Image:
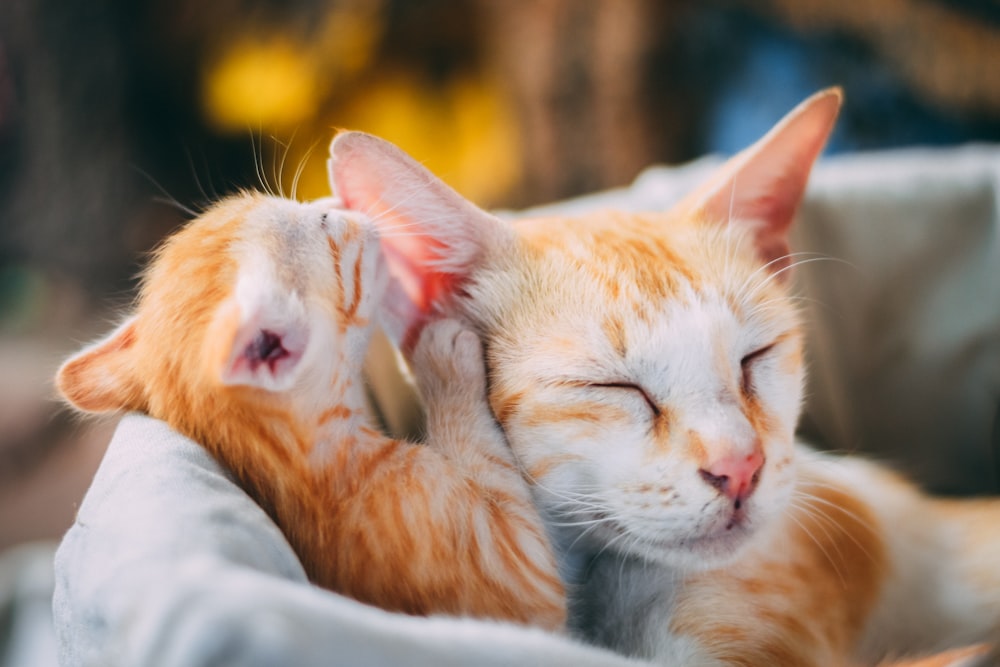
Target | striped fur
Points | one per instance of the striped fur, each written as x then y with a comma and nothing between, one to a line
648,370
248,337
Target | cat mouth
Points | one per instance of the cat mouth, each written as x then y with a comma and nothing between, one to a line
738,519
710,547
714,547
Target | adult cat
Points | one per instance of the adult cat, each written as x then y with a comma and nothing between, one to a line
648,370
249,336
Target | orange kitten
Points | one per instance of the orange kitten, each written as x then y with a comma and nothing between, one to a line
248,337
647,370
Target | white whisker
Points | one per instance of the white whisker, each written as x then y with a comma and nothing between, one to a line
303,161
819,545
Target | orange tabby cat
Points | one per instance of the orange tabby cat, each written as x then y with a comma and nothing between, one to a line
248,337
647,370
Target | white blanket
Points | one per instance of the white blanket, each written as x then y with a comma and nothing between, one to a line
171,564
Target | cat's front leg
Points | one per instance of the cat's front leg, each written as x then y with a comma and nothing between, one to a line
451,376
516,557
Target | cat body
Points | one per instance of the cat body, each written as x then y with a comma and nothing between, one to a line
862,568
647,371
249,336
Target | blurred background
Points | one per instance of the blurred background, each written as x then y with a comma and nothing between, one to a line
118,117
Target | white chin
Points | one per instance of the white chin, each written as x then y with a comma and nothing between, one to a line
699,552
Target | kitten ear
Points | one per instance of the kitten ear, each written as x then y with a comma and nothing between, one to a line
101,377
257,341
432,237
763,185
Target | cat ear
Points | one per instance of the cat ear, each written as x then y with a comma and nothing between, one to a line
101,377
763,185
432,237
257,340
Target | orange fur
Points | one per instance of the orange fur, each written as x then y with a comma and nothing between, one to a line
963,657
831,567
639,363
446,528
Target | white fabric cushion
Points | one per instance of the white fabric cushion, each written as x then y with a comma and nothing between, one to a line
170,563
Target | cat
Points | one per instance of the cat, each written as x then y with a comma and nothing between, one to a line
647,370
248,337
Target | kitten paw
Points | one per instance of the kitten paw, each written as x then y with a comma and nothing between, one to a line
450,371
448,358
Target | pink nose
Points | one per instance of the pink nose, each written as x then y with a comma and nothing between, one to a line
735,477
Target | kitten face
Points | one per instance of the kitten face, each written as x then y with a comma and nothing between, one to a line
620,387
271,288
646,369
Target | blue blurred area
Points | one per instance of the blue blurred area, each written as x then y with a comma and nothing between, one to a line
765,70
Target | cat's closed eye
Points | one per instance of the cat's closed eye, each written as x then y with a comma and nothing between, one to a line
748,362
631,386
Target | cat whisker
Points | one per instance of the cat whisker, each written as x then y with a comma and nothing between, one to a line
822,523
576,506
401,230
275,175
784,301
583,533
819,545
284,157
400,202
572,499
166,197
747,290
861,521
818,516
582,522
197,180
423,222
614,541
772,276
257,148
828,457
303,161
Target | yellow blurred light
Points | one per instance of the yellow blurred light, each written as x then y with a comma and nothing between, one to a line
461,131
268,84
348,39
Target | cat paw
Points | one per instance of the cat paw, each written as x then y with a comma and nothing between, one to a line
450,371
448,358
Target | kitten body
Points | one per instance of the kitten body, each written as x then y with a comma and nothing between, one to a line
648,371
248,337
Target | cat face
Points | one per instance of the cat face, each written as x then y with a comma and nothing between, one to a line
251,298
652,402
646,369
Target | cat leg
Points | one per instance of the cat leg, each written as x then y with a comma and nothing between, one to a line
450,372
456,510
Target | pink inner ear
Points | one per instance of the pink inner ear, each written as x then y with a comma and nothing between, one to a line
265,357
266,348
430,235
763,186
359,174
411,258
421,288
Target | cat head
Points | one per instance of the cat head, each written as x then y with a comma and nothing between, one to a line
647,369
252,300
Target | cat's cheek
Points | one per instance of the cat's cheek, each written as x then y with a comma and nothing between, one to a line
775,493
780,396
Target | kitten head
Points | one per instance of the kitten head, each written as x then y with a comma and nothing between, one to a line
647,369
251,301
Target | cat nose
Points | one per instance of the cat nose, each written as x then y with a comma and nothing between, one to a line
735,477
